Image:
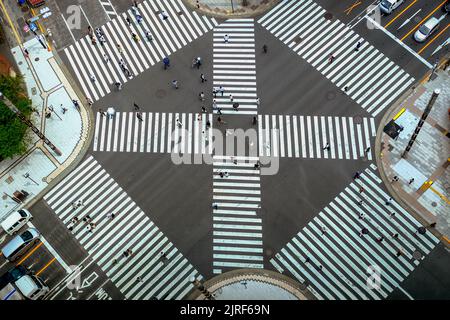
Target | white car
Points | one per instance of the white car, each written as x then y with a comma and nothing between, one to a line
387,6
426,30
16,220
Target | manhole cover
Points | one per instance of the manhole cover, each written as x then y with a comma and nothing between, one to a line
328,15
269,252
331,95
160,93
297,39
434,204
357,119
36,59
417,255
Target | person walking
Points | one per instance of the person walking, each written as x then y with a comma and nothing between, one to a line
139,116
221,90
388,201
119,48
179,124
26,53
128,20
136,107
175,84
110,216
264,48
327,147
226,38
220,120
331,58
203,78
395,179
166,62
201,96
367,150
255,120
357,175
105,58
148,35
198,62
411,180
358,44
93,78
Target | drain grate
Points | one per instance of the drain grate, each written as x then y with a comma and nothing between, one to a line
328,15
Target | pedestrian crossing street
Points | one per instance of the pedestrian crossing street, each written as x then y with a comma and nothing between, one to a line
371,79
342,261
129,229
156,133
169,35
237,226
307,136
234,66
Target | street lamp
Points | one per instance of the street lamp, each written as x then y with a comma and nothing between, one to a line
27,176
199,286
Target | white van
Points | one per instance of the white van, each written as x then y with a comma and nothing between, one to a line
387,6
32,287
16,220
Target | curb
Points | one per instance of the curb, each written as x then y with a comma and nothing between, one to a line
378,156
260,275
248,12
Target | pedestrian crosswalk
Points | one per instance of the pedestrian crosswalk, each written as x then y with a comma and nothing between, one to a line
356,250
366,74
109,9
184,133
145,274
315,136
103,60
237,226
234,67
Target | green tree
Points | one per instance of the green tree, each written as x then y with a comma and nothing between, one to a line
12,130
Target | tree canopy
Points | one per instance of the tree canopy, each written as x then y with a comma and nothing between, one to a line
12,130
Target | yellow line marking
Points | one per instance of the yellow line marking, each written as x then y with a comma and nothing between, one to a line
10,22
29,254
409,6
424,19
349,9
440,195
399,114
446,239
431,41
46,266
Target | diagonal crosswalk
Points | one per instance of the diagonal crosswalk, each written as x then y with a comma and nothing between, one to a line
234,67
168,35
315,136
366,75
154,133
143,275
237,227
338,260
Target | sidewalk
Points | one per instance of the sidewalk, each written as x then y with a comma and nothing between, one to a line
428,195
47,86
231,8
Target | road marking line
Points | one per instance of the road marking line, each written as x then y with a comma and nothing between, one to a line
431,41
406,293
354,5
421,21
403,11
399,42
30,253
46,266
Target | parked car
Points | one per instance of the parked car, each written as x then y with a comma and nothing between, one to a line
18,245
13,275
426,30
387,6
16,220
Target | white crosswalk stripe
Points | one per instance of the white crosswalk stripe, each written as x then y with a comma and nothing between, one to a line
156,133
315,137
366,75
109,9
338,260
237,228
234,67
169,35
110,238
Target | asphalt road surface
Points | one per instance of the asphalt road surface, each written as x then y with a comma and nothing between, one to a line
181,220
